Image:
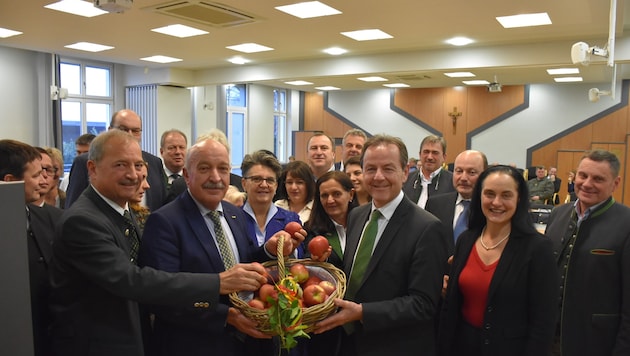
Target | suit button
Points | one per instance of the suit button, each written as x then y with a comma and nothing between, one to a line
487,326
486,342
196,304
490,309
40,259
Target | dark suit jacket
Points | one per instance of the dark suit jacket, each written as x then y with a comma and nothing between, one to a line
402,284
179,186
39,243
521,311
595,315
177,239
443,207
95,286
156,195
442,183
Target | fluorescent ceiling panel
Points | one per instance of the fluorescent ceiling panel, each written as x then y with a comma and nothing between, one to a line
238,60
249,48
298,82
568,79
476,82
367,35
372,79
161,59
459,41
89,47
335,51
327,88
309,9
459,75
524,20
181,31
563,71
396,85
76,7
6,33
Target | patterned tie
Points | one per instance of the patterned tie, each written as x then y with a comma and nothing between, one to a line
132,236
462,220
364,253
224,246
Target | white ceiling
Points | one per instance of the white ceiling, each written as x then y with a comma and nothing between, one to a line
417,55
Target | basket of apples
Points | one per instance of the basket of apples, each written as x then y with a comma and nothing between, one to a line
298,293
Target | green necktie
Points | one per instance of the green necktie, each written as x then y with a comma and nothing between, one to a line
224,246
132,235
364,253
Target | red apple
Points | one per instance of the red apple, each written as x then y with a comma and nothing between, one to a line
267,291
272,244
293,227
256,304
318,246
311,280
314,294
328,286
299,272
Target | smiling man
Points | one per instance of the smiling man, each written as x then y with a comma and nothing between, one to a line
591,240
173,145
321,154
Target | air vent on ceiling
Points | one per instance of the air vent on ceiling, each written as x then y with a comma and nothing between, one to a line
413,77
205,12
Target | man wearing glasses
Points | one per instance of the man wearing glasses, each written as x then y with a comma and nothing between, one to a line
129,121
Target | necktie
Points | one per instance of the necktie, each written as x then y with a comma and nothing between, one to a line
132,236
364,253
173,177
462,220
224,246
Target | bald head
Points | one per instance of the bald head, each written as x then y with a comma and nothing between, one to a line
468,165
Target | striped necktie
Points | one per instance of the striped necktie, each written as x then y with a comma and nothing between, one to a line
224,246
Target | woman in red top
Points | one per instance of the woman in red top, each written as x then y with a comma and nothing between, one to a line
503,289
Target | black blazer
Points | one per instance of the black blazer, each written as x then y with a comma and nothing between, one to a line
520,316
39,243
96,288
402,284
442,183
443,207
156,195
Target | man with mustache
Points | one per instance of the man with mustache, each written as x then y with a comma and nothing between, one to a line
200,232
96,284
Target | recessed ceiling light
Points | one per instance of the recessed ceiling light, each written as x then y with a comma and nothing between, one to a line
459,75
373,79
250,48
6,33
367,35
459,41
298,82
327,88
238,60
309,9
396,85
161,59
524,20
180,31
563,71
76,7
568,79
89,47
476,82
335,51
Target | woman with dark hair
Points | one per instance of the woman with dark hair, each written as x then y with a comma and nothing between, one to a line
353,169
503,288
297,188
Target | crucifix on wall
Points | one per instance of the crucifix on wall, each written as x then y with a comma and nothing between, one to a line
454,116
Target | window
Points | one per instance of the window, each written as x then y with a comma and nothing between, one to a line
236,124
280,124
88,107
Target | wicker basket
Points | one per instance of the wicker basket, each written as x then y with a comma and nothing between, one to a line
310,315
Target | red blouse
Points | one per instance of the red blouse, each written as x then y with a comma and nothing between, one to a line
474,282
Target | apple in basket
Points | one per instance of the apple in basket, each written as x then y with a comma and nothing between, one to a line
314,294
256,304
312,279
267,291
328,287
299,272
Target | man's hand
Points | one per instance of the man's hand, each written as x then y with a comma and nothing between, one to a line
348,312
244,325
243,276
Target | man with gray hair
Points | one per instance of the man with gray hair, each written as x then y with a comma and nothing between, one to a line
353,141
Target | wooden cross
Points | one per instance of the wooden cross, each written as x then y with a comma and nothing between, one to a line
455,115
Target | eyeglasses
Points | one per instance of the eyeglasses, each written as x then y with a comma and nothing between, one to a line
50,170
131,131
259,179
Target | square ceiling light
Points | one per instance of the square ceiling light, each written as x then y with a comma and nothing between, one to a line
476,82
367,35
568,79
181,31
298,82
327,88
249,48
6,33
563,71
89,47
309,9
460,75
396,85
77,7
161,59
373,79
524,20
335,51
459,41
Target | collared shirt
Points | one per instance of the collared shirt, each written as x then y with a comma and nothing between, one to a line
169,174
587,213
114,205
260,234
424,194
459,208
387,211
226,227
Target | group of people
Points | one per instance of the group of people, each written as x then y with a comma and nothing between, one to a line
437,262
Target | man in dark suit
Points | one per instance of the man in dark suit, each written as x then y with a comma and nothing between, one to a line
128,121
353,141
22,162
591,239
96,284
431,179
184,237
449,207
394,268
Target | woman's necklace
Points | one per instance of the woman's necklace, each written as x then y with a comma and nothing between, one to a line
488,248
